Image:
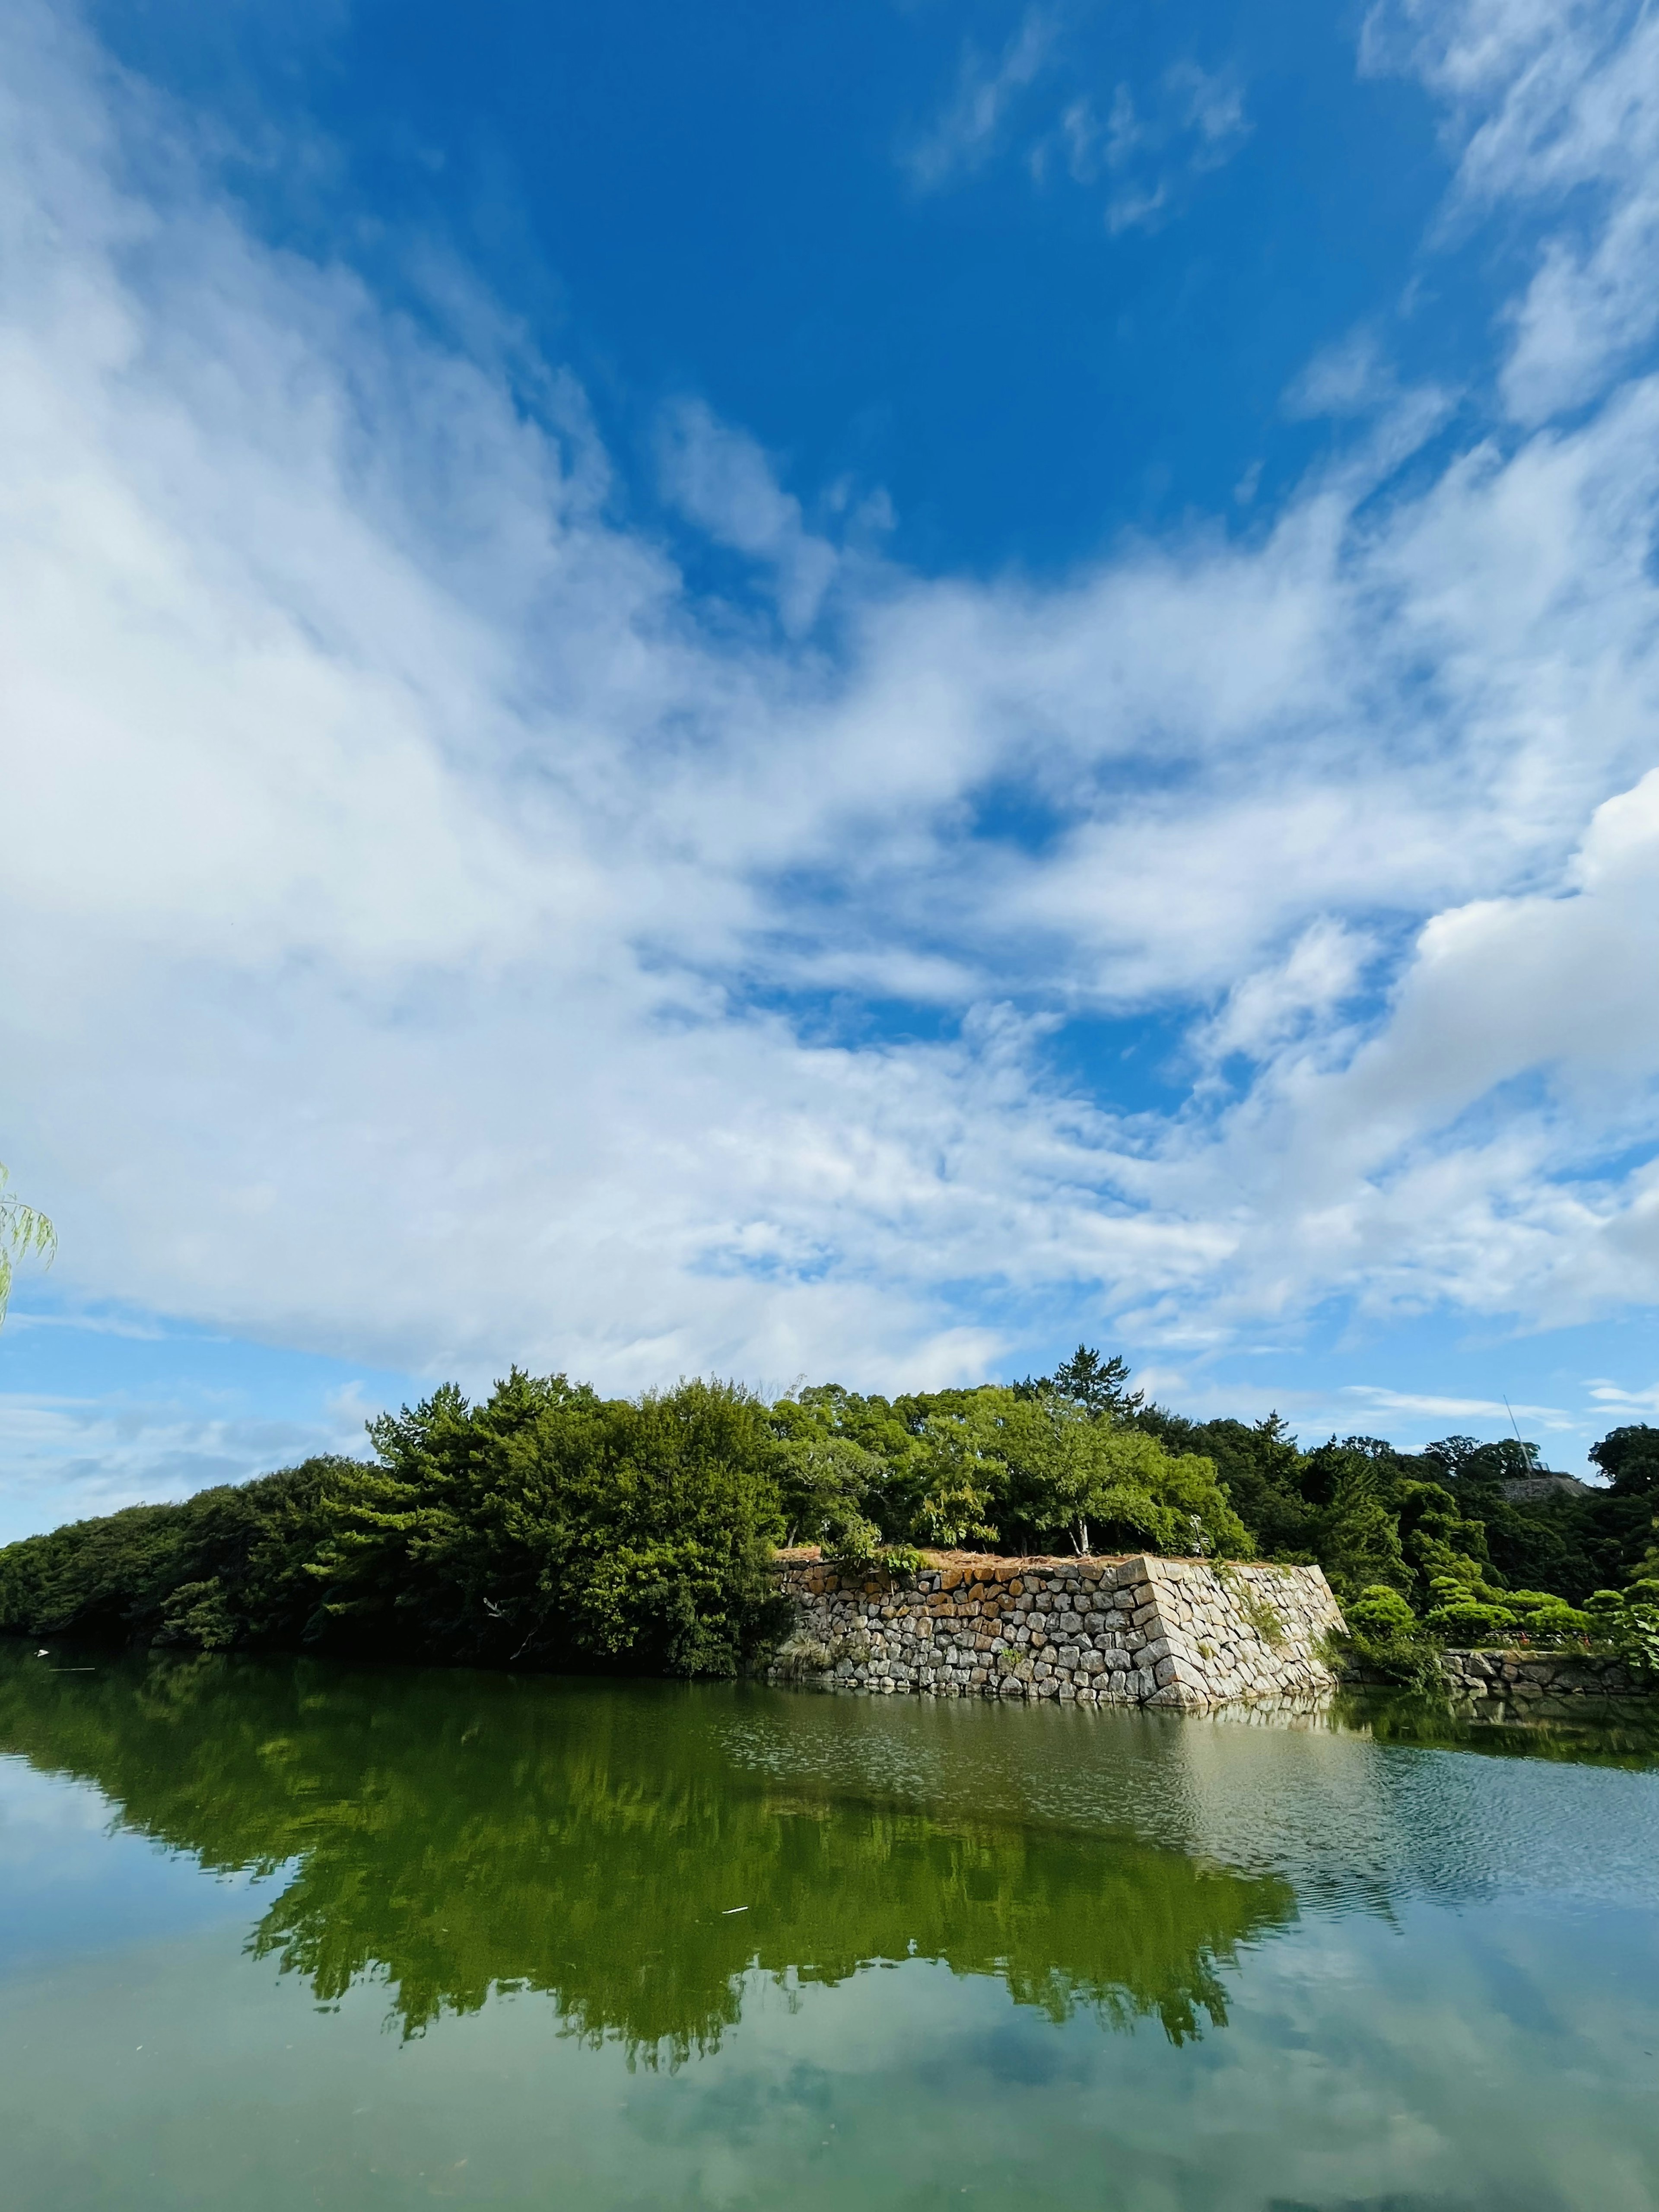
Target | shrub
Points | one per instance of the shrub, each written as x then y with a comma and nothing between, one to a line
1626,1623
1468,1612
1387,1637
1380,1614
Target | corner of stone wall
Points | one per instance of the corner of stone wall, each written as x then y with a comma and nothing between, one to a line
1143,1630
1236,1631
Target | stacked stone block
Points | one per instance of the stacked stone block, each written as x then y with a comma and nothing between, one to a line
1539,1680
1121,1632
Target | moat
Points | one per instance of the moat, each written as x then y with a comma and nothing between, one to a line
275,1934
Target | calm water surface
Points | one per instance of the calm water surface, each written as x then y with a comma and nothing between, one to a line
277,1934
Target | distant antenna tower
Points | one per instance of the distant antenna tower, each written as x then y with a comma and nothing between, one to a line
1537,1460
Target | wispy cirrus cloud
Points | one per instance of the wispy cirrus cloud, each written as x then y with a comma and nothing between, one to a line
1150,151
1145,147
970,126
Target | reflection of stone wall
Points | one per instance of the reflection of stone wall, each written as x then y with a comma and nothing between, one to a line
1522,1678
1137,1632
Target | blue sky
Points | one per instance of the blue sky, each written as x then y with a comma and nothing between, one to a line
845,692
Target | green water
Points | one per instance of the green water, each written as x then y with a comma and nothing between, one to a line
274,1934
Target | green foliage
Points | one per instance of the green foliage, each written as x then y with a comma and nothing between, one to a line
1626,1623
1259,1468
1099,1387
1468,1613
1387,1637
1629,1457
240,1552
441,1838
902,1562
822,1482
1379,1613
856,1472
552,1526
1474,1471
1356,1536
549,1527
545,1526
199,1615
24,1233
1095,1484
1026,1467
1371,1516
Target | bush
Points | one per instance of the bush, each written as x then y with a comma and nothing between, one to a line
1467,1612
1380,1614
1469,1621
1626,1623
1385,1636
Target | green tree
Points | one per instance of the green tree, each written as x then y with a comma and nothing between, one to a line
1358,1536
1260,1469
1051,1469
1629,1457
1097,1384
228,1566
553,1526
1436,1539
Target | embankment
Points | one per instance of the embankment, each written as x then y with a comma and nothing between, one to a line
1121,1632
1539,1680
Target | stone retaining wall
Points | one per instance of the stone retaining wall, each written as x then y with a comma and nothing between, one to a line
1127,1632
1523,1678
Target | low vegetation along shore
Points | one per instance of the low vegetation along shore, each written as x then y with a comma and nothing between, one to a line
549,1527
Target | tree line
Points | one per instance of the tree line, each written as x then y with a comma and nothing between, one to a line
548,1527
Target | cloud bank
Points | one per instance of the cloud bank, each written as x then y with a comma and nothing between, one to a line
439,930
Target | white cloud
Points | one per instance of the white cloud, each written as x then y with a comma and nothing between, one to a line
1152,148
1349,378
1149,149
141,1331
1637,1405
722,480
1556,107
1212,105
1458,1409
967,130
415,874
70,1458
1263,1011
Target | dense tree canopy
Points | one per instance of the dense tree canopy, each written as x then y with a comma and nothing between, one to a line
549,1527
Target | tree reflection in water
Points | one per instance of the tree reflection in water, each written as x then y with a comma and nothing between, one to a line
455,1834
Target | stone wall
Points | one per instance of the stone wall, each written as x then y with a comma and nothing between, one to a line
1128,1631
1527,1680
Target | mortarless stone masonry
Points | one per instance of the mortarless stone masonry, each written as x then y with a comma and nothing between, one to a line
1129,1632
1527,1680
